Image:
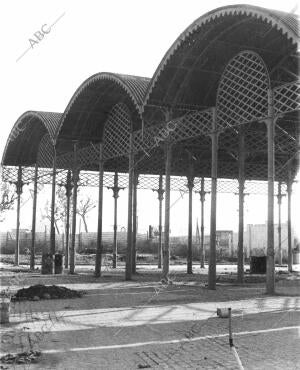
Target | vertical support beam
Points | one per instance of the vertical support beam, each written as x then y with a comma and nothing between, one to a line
52,222
160,192
134,220
19,190
241,163
35,190
190,186
115,241
279,199
270,281
68,195
115,190
213,212
202,200
128,271
74,212
166,246
100,212
289,220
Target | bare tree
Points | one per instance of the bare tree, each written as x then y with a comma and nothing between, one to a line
60,209
84,206
7,199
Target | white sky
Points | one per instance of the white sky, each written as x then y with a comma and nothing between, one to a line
129,37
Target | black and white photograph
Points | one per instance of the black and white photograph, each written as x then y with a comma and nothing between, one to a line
150,185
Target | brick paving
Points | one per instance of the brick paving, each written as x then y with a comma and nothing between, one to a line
108,328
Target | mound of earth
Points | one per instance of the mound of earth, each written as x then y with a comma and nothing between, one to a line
21,358
40,291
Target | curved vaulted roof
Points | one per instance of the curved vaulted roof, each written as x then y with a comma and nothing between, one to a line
23,142
190,70
88,108
186,79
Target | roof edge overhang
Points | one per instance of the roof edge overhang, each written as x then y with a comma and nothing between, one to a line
278,19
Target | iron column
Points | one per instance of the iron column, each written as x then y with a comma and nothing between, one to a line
128,271
213,212
115,190
190,186
241,163
166,246
134,222
270,281
100,213
160,197
289,220
202,193
69,187
75,187
35,190
19,190
52,222
279,199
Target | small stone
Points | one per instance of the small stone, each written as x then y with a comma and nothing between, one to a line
36,298
46,296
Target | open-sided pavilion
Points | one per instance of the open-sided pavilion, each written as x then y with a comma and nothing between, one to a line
221,113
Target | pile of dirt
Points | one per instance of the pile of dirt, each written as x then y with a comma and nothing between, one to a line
21,358
40,291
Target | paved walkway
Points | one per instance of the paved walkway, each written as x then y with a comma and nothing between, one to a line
143,324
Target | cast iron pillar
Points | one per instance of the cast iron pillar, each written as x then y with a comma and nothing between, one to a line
289,220
241,163
52,221
134,220
202,194
128,269
279,200
190,186
68,187
115,190
33,227
160,196
98,262
166,246
74,211
213,212
270,280
19,189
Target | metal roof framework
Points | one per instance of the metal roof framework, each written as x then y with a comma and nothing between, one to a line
231,77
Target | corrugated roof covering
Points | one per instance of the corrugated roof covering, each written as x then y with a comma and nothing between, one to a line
87,110
23,142
191,68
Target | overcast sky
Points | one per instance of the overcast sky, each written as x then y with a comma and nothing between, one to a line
129,37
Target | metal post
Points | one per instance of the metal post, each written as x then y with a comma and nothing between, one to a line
166,246
190,186
52,222
160,192
100,212
202,199
213,212
289,220
128,271
35,190
134,222
279,199
241,161
115,242
19,190
74,212
115,190
270,281
69,187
